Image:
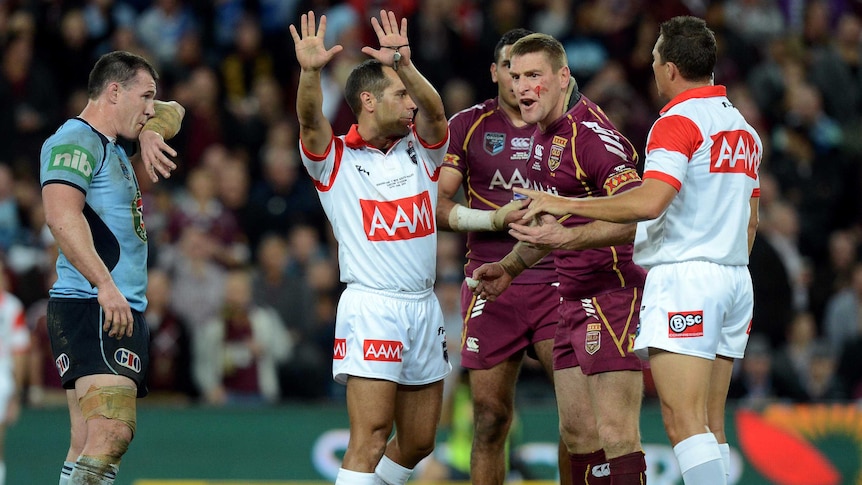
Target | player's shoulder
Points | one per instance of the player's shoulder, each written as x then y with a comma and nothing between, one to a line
475,112
75,133
74,149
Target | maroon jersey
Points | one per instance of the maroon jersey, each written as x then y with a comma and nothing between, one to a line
490,152
583,155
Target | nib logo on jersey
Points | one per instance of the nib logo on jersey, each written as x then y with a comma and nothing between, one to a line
398,220
382,350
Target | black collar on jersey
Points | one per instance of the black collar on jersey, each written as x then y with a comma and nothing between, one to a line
573,94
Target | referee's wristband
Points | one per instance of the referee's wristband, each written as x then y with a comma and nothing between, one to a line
465,219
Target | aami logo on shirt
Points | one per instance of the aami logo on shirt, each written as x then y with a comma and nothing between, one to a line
685,324
735,152
397,220
72,158
339,350
382,350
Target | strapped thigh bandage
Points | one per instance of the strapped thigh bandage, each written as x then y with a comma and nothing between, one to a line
112,402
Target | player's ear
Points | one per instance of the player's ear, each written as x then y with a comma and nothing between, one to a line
493,70
368,101
113,92
565,74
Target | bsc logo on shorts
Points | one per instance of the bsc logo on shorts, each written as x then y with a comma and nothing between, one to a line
128,359
685,324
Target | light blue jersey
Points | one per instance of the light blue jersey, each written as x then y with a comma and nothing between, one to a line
79,156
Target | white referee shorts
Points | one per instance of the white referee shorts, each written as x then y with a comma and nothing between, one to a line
7,386
696,308
397,337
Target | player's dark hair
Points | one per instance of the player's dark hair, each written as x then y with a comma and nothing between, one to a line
118,66
687,42
368,76
539,42
509,38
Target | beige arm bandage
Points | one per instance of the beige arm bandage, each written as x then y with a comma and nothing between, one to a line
112,402
465,219
167,120
520,258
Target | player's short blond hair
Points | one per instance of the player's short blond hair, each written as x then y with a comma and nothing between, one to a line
539,42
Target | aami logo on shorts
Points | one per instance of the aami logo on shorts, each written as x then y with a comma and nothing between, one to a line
128,359
382,350
397,220
62,363
685,324
339,350
734,152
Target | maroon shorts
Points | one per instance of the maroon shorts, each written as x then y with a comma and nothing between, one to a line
598,333
495,330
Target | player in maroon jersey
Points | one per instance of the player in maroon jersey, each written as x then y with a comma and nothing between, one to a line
488,148
577,152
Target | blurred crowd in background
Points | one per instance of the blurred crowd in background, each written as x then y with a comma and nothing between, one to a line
243,270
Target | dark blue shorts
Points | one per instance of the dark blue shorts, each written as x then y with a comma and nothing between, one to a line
81,348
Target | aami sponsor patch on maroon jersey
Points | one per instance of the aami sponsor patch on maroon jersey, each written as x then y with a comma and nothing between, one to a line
685,324
382,350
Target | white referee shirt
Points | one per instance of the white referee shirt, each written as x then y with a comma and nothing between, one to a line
14,335
382,209
703,147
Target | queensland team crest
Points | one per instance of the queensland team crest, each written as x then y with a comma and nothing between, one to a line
557,147
593,340
494,143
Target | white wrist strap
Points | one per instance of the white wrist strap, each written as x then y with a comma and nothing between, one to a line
465,219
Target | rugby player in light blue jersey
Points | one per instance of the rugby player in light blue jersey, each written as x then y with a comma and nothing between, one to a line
93,207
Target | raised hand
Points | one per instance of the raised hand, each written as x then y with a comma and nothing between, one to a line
311,54
392,39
